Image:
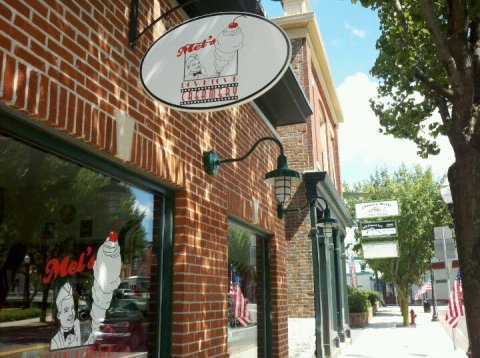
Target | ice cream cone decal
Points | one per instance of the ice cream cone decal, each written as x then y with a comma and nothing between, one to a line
229,41
106,272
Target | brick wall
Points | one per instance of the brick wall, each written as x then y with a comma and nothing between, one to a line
303,146
68,65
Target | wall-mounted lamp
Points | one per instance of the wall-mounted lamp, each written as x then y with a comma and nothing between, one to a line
113,194
326,221
281,178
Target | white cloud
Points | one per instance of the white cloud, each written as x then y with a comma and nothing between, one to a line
363,148
146,208
354,31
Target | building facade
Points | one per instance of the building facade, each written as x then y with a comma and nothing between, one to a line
111,231
87,151
317,296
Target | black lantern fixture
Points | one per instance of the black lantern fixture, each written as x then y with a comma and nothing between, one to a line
328,223
113,194
281,178
26,286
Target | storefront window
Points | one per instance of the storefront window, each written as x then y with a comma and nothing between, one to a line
76,256
245,302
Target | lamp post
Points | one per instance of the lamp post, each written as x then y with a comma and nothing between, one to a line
26,286
432,279
446,194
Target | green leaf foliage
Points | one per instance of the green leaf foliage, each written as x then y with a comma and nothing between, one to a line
429,63
405,101
421,209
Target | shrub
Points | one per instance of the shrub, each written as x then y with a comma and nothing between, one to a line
366,296
15,314
374,296
357,301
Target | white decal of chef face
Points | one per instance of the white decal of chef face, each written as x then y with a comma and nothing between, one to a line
193,63
66,312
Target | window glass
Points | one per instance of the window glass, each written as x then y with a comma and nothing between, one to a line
76,256
245,307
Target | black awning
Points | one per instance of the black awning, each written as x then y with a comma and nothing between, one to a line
285,103
203,7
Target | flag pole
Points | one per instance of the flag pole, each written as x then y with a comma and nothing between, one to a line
453,337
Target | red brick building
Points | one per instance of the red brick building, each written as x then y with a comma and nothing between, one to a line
87,151
313,150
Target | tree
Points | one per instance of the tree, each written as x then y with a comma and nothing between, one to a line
429,61
421,209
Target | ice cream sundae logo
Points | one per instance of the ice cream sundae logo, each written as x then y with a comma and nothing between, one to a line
106,274
106,265
211,67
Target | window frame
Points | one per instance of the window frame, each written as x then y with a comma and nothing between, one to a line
40,136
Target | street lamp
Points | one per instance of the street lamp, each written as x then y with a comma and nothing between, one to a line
446,194
432,279
281,178
447,198
26,286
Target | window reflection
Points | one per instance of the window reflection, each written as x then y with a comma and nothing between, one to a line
76,250
244,262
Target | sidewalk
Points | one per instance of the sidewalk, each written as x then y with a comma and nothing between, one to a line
386,337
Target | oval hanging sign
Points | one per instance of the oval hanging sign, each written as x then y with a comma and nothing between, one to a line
216,61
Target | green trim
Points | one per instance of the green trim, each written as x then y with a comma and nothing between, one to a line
167,287
248,227
211,164
267,322
47,139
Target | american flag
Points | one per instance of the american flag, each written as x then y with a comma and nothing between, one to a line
239,302
353,271
424,288
455,304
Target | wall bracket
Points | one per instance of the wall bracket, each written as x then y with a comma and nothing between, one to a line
133,36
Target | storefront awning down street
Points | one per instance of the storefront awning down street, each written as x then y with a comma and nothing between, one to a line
285,103
319,183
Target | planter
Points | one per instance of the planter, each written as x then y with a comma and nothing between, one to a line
358,320
370,313
375,307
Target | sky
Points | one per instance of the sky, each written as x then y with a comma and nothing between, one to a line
349,34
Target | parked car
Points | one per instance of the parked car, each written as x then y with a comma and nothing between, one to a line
123,293
125,324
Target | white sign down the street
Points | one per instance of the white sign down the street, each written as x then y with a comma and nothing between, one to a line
379,229
380,250
376,209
